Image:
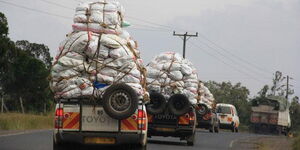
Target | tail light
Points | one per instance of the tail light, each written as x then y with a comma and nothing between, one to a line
141,119
59,113
207,116
229,119
192,117
150,118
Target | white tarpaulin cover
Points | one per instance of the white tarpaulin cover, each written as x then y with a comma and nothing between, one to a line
97,54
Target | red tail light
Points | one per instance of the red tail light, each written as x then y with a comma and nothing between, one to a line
142,124
192,117
59,112
58,122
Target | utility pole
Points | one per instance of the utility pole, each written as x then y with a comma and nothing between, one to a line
185,39
287,87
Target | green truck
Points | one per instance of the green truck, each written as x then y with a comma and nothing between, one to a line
270,115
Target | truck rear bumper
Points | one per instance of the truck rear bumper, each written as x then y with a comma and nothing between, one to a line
204,123
78,137
169,130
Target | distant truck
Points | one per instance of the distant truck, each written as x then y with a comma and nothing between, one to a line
120,118
270,115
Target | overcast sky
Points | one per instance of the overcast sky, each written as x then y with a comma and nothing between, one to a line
240,40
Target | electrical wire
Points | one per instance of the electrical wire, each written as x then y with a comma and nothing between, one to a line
34,10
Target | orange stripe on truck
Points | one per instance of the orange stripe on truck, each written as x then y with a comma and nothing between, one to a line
129,124
71,120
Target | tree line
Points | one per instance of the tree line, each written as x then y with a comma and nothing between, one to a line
24,69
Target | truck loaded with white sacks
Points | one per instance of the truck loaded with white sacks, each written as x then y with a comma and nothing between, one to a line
270,115
172,82
98,80
206,115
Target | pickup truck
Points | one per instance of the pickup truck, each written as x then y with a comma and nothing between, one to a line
84,121
207,119
166,122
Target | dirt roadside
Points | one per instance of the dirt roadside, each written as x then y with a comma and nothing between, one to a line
264,143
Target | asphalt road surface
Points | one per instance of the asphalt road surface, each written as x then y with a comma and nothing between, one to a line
42,140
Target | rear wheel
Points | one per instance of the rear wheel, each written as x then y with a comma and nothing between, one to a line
190,140
138,147
217,128
120,101
212,128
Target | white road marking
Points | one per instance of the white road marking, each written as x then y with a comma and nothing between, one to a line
23,132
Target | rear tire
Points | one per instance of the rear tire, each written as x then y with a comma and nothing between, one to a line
190,140
59,146
139,147
157,104
179,104
217,128
120,101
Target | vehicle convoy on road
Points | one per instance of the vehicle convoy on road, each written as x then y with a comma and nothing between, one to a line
176,118
228,117
270,114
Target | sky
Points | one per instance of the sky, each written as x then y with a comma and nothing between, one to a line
239,40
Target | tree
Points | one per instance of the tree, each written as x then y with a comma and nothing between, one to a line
295,113
237,95
39,51
3,25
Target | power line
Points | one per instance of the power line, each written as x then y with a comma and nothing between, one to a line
232,54
34,10
233,67
57,4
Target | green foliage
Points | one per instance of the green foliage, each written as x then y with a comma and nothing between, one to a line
295,114
236,95
3,25
24,68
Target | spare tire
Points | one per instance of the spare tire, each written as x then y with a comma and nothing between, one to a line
178,104
157,103
202,109
120,101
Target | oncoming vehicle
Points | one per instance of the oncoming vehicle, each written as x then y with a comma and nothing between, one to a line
207,118
270,115
119,118
175,118
228,117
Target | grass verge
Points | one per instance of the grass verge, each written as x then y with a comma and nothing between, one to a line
296,142
18,121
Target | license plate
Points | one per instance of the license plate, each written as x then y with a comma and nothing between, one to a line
99,140
165,129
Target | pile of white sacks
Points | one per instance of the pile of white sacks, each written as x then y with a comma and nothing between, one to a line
169,73
205,96
97,54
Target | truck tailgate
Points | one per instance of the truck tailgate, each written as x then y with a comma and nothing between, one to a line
94,118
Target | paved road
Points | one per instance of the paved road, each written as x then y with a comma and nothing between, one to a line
42,140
